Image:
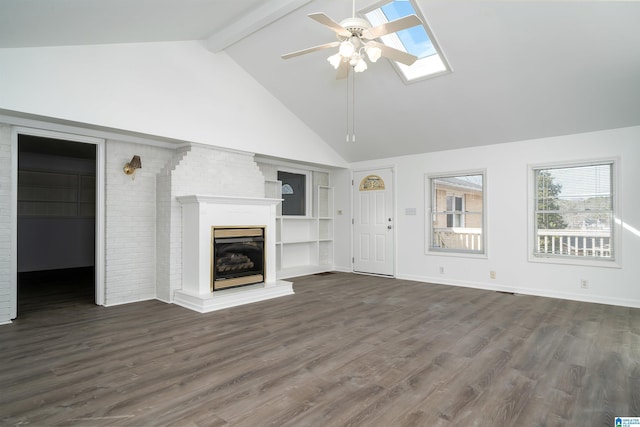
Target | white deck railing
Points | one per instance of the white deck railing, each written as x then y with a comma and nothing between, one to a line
587,243
469,239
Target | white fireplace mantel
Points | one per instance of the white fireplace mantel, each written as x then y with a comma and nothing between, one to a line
228,200
199,214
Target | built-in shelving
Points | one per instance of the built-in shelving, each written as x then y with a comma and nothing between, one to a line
304,244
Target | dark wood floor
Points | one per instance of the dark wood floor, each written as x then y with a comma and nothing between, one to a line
344,350
49,290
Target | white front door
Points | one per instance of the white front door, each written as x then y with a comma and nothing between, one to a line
373,222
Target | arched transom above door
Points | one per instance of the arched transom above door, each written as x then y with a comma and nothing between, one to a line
371,183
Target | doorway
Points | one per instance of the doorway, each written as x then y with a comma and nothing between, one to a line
373,222
56,222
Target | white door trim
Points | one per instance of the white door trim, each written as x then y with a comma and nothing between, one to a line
100,207
392,168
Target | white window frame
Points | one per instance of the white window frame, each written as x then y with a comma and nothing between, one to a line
424,68
461,216
308,190
533,256
429,212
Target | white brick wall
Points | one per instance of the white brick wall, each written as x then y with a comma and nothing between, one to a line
6,301
130,234
196,170
269,171
166,230
143,224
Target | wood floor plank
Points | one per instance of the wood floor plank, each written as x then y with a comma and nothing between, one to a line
346,349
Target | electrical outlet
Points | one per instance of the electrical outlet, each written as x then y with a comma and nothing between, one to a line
492,274
584,284
441,270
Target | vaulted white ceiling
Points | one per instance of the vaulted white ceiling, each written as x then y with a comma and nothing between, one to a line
521,69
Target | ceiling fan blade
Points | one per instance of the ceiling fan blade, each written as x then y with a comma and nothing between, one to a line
343,70
391,27
310,49
393,53
325,20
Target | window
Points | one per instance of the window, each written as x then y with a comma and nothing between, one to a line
573,214
418,40
457,213
296,192
454,204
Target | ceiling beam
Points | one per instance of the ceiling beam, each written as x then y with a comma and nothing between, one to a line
252,22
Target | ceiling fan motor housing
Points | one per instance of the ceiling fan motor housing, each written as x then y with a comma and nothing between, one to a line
355,25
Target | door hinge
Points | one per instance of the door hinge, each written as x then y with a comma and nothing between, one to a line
351,182
352,221
353,260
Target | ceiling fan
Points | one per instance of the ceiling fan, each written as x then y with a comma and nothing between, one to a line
356,38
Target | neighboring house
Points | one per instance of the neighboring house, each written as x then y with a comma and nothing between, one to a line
459,224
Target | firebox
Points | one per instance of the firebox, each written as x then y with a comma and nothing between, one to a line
237,257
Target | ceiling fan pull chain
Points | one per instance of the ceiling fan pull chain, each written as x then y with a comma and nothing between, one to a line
348,136
353,105
351,108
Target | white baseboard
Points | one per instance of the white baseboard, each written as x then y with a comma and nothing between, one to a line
598,299
306,270
163,300
113,304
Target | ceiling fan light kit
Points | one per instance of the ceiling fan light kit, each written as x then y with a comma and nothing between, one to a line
374,53
353,50
358,65
335,60
347,49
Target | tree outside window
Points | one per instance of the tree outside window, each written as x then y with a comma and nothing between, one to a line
574,211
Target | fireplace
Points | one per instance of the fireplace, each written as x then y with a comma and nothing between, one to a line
202,215
238,256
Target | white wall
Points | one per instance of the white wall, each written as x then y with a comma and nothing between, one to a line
130,229
7,228
507,204
341,182
177,90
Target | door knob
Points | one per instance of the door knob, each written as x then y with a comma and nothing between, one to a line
388,227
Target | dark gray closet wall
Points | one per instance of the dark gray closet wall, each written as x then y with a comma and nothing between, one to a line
56,204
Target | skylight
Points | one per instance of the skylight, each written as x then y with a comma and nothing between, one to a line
418,40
